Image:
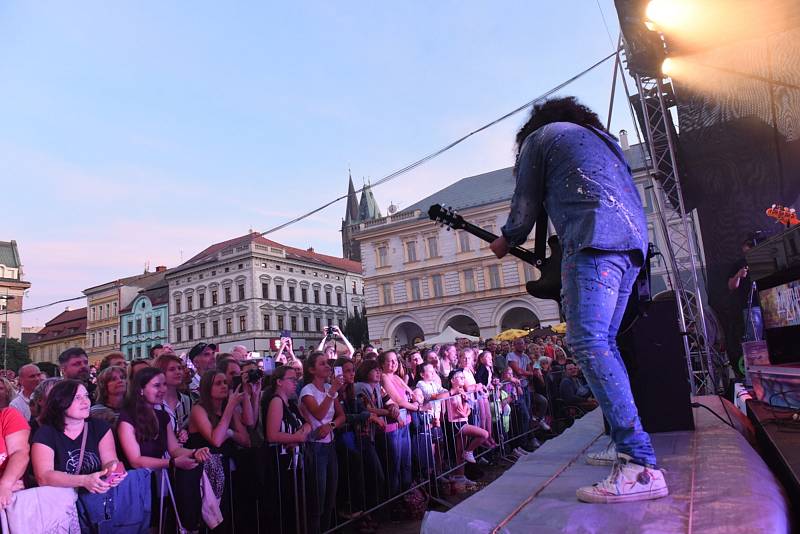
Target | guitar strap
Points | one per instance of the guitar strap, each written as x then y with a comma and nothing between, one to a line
540,234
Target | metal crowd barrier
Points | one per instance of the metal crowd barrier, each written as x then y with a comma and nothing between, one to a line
369,479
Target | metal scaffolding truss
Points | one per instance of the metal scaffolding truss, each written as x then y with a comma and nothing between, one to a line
680,237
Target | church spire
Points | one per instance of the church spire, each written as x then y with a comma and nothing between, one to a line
351,213
367,207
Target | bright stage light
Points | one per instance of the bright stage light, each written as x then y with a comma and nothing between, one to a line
668,14
668,67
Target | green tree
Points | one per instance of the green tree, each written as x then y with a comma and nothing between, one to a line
356,329
17,353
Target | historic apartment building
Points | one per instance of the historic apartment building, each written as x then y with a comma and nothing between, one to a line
12,290
247,290
144,323
420,278
103,303
65,330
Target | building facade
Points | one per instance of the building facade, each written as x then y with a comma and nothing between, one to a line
247,290
12,290
145,322
65,330
421,278
104,303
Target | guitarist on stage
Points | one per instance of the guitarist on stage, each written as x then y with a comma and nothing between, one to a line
569,165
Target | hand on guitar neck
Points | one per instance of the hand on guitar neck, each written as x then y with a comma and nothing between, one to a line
500,246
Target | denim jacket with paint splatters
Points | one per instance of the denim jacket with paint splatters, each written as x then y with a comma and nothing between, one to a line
587,189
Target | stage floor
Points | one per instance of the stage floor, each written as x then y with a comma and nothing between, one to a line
717,482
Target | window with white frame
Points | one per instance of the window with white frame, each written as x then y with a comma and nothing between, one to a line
411,250
386,293
415,292
463,242
383,255
437,285
469,280
433,246
494,277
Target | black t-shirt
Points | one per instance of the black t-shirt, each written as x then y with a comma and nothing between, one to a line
742,294
66,452
154,448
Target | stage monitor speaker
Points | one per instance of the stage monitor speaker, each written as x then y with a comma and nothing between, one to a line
653,352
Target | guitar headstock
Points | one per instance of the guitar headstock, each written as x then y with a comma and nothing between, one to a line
784,215
446,216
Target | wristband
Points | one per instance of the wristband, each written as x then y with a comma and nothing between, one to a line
334,396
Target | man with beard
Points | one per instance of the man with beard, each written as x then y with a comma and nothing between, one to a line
74,364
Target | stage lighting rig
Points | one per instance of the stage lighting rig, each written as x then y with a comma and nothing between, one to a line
645,50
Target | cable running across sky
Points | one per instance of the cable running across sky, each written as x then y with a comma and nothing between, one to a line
403,170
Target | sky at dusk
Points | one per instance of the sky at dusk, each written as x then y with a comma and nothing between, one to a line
136,132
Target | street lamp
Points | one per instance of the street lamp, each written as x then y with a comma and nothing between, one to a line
6,298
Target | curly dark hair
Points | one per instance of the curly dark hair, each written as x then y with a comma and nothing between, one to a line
564,109
145,420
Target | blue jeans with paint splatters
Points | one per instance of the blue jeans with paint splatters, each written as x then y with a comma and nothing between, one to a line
596,285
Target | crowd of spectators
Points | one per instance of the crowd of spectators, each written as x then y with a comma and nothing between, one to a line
216,444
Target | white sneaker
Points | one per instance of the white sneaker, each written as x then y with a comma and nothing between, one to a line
605,456
469,457
628,482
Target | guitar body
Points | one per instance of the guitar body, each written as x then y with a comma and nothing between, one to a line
548,287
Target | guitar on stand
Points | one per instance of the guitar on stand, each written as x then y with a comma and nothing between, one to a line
548,287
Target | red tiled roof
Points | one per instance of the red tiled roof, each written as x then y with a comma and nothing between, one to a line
210,253
65,324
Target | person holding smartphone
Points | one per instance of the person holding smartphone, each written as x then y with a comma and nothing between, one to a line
331,334
216,423
320,407
233,374
57,443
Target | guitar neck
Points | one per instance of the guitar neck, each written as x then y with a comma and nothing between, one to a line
518,252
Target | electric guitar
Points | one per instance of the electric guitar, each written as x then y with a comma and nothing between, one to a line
547,287
786,216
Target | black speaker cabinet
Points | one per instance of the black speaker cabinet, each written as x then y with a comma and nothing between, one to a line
652,349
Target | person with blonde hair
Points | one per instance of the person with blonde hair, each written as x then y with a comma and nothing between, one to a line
111,387
7,392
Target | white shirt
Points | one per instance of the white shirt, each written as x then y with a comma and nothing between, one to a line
23,405
319,396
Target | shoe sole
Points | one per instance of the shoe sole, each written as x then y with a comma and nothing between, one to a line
599,461
628,497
